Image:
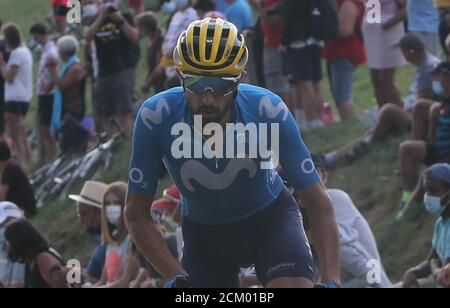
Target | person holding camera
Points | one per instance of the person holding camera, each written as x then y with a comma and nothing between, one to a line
117,50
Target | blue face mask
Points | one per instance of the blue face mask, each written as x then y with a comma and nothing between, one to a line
433,205
438,89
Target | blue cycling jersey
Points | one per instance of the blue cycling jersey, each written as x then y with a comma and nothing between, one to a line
223,188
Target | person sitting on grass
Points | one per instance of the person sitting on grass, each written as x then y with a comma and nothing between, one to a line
432,150
437,201
393,118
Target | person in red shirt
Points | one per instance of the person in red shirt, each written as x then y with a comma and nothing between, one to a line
344,54
136,5
60,11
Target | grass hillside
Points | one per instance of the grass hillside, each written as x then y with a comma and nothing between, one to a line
373,182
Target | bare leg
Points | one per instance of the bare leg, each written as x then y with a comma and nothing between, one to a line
412,155
308,98
319,102
391,92
393,118
421,119
127,124
346,111
375,77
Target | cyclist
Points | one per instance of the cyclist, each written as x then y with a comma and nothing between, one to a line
234,213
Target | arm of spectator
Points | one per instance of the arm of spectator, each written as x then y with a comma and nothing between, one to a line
3,191
130,273
130,32
75,73
140,279
412,276
93,29
103,280
434,114
8,74
52,271
348,16
397,18
444,275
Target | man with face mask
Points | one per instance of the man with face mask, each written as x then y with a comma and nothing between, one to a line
437,201
434,148
89,205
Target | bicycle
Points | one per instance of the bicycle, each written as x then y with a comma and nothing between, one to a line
88,167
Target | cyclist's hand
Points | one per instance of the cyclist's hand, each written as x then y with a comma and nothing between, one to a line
180,281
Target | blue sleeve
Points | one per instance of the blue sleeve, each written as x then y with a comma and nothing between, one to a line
234,17
294,157
147,153
97,262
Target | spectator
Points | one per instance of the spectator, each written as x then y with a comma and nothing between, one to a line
394,119
443,7
304,62
344,54
60,11
121,263
358,244
44,267
15,186
383,58
240,14
206,8
431,150
18,74
423,20
147,24
89,208
5,56
436,200
180,21
45,91
12,274
117,53
274,76
69,102
221,6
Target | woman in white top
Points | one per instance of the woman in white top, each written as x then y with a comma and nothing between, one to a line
18,75
380,36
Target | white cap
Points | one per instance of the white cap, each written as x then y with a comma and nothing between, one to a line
9,210
91,194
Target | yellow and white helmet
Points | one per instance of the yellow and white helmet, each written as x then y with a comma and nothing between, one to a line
211,47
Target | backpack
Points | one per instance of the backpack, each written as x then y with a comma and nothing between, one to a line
324,20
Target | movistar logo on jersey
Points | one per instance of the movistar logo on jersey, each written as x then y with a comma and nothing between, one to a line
250,141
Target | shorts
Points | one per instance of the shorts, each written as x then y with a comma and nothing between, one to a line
273,71
17,108
114,94
273,240
433,156
45,109
60,12
340,74
305,64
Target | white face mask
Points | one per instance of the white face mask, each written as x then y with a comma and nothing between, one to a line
114,214
90,10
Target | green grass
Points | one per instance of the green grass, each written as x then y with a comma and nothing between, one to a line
373,182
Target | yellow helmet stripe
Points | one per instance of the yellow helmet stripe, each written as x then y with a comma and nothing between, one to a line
216,40
229,45
203,39
190,44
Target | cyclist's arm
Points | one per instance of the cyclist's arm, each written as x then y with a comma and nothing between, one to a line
324,230
147,236
297,163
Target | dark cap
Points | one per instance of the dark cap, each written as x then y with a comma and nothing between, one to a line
411,43
439,172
